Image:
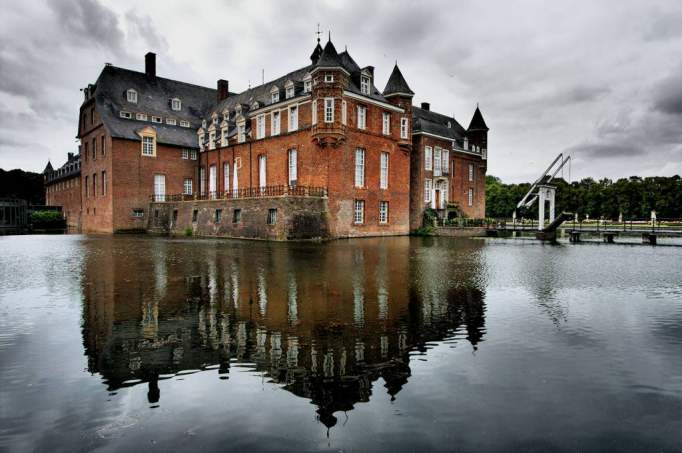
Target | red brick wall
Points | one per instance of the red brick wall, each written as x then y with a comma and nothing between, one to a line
67,194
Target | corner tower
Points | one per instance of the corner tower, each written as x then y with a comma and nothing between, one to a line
398,93
329,80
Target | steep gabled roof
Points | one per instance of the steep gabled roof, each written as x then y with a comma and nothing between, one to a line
437,124
477,121
396,83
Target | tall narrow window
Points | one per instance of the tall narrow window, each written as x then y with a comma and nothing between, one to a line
202,180
436,161
427,190
148,145
176,104
428,158
235,178
364,85
185,154
187,186
262,165
94,148
359,214
241,133
359,167
445,159
94,185
344,113
383,212
260,126
471,172
383,174
386,124
226,176
293,118
212,180
87,188
404,125
159,188
314,112
132,96
362,117
104,183
328,110
471,197
274,123
104,145
293,170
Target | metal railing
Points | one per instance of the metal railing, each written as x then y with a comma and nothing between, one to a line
249,192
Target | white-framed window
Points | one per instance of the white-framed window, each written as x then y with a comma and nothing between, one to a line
290,92
124,114
404,128
328,110
262,168
157,119
362,117
226,176
359,211
148,145
364,84
293,118
212,181
466,144
131,96
223,136
193,154
445,158
314,112
141,116
187,186
386,124
274,96
428,186
383,171
171,121
471,197
293,167
471,172
211,140
436,161
260,126
185,154
328,78
202,180
235,174
241,133
307,85
275,123
359,167
184,123
428,158
176,104
383,212
138,213
159,187
344,113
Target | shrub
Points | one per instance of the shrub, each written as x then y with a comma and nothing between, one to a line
47,219
188,231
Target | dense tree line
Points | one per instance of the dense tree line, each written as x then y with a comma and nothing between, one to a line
634,197
22,184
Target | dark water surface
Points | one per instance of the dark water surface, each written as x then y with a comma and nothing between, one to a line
397,344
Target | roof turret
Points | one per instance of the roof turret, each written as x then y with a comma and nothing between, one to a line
396,84
477,121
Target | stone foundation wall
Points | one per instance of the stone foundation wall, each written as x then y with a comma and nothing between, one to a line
461,232
297,218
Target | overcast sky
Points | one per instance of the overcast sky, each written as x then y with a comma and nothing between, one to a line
600,80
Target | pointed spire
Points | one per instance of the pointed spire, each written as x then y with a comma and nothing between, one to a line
48,167
396,83
477,121
329,57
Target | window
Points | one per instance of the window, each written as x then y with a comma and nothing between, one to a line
236,216
211,140
176,104
272,216
329,78
159,187
328,110
85,153
293,157
193,154
125,114
428,158
307,86
184,123
383,212
226,176
157,119
404,125
445,164
466,143
138,213
94,149
383,173
293,118
104,183
436,161
314,112
131,96
275,97
148,145
262,166
218,215
471,197
187,186
212,181
92,116
386,123
359,167
104,145
141,116
359,212
87,185
260,126
362,117
241,133
94,185
364,85
290,92
471,172
344,113
427,190
171,121
195,215
274,123
175,216
185,154
202,180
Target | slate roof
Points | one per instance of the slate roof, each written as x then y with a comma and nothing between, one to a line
435,123
329,57
153,98
71,168
48,167
396,83
477,121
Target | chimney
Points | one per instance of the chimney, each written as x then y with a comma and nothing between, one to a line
150,65
223,89
426,106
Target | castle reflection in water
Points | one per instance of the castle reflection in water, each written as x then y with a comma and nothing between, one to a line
324,321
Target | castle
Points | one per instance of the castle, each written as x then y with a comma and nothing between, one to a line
317,153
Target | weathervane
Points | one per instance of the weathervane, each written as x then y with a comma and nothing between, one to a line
318,33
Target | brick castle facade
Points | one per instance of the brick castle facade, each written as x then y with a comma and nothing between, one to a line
165,155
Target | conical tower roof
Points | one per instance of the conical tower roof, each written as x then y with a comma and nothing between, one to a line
48,168
329,57
477,121
315,56
396,83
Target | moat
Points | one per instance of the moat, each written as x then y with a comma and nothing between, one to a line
138,343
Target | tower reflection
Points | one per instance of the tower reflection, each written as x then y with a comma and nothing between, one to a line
323,321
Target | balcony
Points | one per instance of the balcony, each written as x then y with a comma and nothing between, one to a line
249,192
329,133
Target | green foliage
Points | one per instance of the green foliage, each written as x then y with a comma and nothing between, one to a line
424,231
430,215
22,184
188,231
47,219
634,197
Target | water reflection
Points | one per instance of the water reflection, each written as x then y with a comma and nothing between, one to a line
324,322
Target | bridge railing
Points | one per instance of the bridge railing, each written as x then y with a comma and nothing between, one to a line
629,225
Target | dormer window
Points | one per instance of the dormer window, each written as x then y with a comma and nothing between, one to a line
171,121
364,84
290,92
241,131
449,125
125,114
226,115
307,84
466,143
141,116
131,96
176,104
329,78
156,119
274,94
184,123
203,124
